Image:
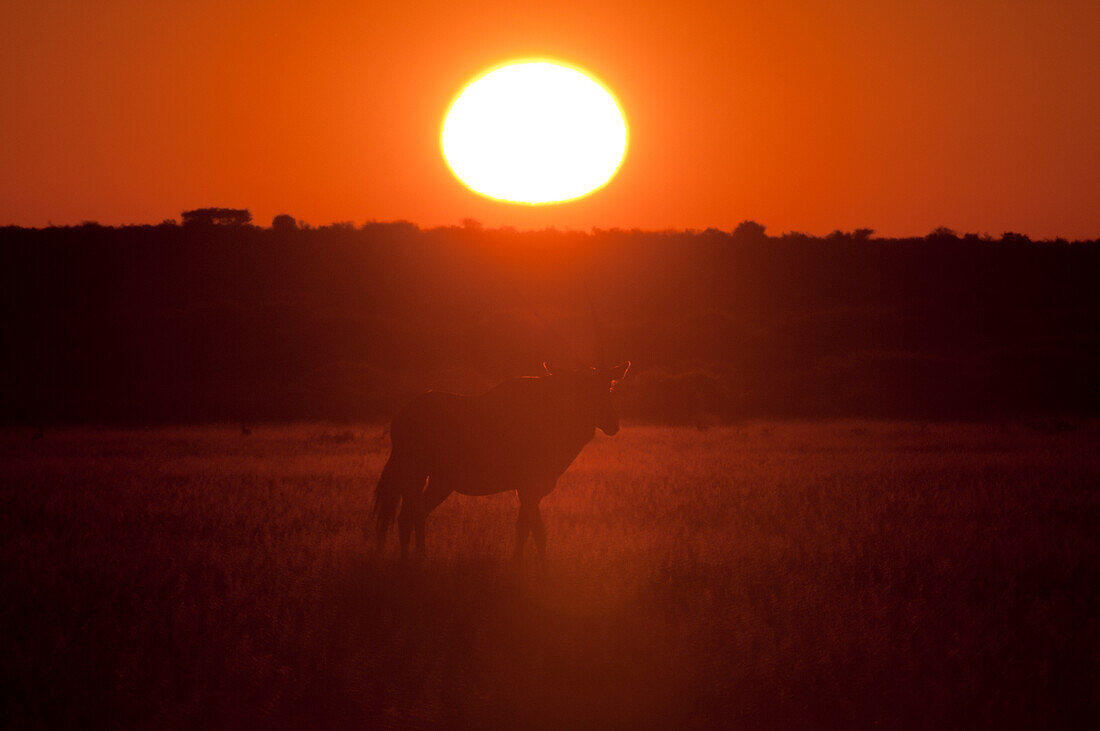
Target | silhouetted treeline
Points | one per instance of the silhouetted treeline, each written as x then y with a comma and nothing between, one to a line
212,322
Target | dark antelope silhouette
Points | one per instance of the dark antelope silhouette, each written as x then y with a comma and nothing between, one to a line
520,435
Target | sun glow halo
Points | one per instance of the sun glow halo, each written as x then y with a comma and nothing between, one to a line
534,132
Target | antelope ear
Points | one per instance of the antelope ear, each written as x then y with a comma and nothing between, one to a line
618,372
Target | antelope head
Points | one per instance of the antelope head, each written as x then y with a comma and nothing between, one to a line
590,390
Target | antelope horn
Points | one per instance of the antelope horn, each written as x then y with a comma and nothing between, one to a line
597,329
559,341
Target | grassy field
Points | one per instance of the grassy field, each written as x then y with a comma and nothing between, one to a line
784,574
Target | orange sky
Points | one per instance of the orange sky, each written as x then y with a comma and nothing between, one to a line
810,116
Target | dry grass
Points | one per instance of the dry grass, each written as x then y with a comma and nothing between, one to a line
768,575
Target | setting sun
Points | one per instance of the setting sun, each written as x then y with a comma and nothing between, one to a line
534,132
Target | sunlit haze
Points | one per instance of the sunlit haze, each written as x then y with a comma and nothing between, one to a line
811,117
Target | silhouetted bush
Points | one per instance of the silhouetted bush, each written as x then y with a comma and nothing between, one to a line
749,231
1014,238
942,233
284,222
217,217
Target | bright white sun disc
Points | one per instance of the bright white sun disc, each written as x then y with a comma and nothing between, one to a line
534,132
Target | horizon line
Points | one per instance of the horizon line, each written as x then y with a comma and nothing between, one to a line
472,224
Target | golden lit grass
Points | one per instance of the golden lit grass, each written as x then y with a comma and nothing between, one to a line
769,574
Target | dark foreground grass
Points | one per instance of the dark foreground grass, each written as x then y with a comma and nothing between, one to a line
770,575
